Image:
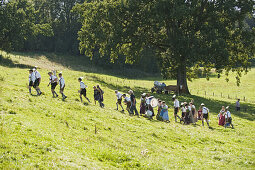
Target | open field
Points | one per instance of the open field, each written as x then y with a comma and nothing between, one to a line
44,132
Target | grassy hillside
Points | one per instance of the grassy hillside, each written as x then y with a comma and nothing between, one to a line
45,132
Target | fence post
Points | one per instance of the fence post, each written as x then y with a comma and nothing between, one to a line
205,93
228,96
221,94
213,93
244,98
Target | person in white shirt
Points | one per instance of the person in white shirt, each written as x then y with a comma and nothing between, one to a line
37,81
205,114
31,80
238,105
183,110
53,82
228,118
127,101
119,100
83,90
62,85
176,108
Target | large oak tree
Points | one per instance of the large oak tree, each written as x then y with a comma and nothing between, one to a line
186,34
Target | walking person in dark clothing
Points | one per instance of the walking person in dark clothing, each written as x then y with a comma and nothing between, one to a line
133,103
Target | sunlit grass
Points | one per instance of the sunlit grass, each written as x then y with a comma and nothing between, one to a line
45,132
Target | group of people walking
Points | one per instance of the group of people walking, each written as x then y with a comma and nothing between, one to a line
35,80
224,117
189,114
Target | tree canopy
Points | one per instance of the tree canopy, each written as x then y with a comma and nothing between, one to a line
186,35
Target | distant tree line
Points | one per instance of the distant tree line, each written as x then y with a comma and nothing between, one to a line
52,26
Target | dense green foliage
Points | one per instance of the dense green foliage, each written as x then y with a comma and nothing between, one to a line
47,133
40,25
185,34
52,26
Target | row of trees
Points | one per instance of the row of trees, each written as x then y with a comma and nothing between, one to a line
39,25
179,36
52,26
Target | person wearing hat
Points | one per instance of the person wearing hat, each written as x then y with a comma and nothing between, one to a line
228,118
31,80
176,107
221,116
119,100
127,101
53,82
37,81
205,114
62,85
192,110
143,104
133,103
83,90
164,112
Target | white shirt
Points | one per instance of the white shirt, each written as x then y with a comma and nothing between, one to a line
189,108
237,104
193,106
183,109
205,110
52,79
119,95
176,103
61,82
82,85
127,99
164,107
31,77
37,74
228,114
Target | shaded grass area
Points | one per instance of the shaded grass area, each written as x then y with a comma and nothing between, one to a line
9,63
83,63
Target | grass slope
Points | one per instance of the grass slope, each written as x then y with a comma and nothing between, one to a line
43,132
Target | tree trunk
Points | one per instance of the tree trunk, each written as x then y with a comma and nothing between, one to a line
182,79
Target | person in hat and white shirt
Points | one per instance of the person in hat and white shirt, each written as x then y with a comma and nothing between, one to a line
37,82
53,82
205,114
119,100
228,118
31,80
176,107
62,85
127,101
83,90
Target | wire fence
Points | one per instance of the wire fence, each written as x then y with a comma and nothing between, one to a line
222,95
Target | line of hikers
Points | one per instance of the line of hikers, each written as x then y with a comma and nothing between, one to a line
189,114
35,80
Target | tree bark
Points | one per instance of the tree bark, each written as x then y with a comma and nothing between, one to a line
182,79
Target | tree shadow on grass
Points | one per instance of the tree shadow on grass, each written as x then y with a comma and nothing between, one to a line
7,62
85,64
247,112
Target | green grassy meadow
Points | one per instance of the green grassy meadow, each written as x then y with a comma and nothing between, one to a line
48,133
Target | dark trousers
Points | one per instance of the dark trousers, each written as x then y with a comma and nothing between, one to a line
133,108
